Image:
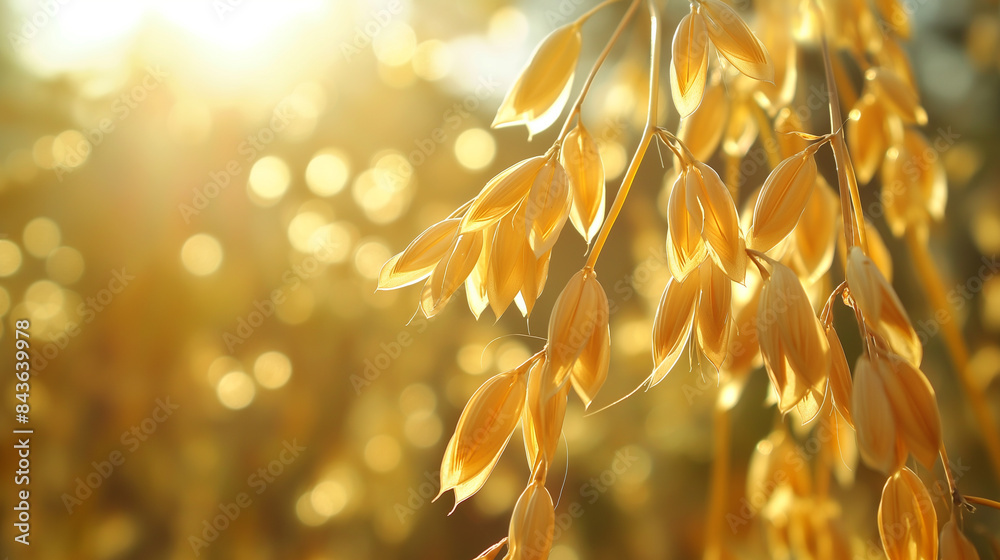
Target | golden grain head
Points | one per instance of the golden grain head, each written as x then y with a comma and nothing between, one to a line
580,313
880,306
503,193
782,200
792,341
543,416
482,433
914,185
735,41
867,137
898,96
673,324
420,256
505,270
475,284
702,130
914,407
540,91
721,226
714,312
841,384
547,206
689,63
907,521
591,369
873,419
585,169
815,236
532,524
451,272
685,247
954,544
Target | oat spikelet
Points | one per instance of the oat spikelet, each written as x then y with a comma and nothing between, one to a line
702,130
954,544
475,284
735,41
539,93
815,236
420,256
867,138
591,368
782,200
714,310
918,422
531,524
673,324
506,267
792,340
721,226
914,187
689,63
899,96
451,271
841,384
881,307
907,521
543,416
483,431
581,310
547,206
583,164
874,420
685,247
502,194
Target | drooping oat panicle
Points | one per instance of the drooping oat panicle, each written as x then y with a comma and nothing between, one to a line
482,433
721,226
451,272
873,419
502,194
543,416
540,91
585,169
547,206
673,324
792,340
914,407
714,311
914,185
689,63
777,453
531,524
702,130
685,246
907,521
898,96
954,544
881,307
735,41
867,136
581,310
782,200
841,383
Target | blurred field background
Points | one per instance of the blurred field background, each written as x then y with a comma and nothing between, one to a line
196,198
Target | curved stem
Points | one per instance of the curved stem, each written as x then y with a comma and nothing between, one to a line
934,287
597,63
721,434
583,19
647,135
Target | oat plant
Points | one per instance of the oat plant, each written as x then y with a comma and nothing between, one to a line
752,281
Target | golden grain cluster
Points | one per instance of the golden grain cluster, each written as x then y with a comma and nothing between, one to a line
752,276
